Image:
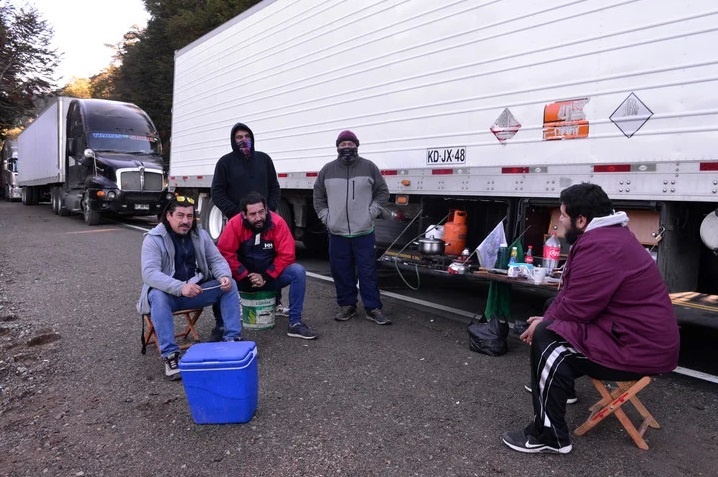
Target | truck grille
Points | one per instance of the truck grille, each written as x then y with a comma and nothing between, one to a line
131,180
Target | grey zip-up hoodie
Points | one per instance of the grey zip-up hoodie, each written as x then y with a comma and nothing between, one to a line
158,263
349,196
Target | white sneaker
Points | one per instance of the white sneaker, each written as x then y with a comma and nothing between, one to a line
281,310
172,370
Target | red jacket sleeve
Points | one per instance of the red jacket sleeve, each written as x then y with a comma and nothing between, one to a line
228,245
284,246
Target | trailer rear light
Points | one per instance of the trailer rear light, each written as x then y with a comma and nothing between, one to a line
514,170
709,166
389,173
402,200
312,174
441,172
282,174
612,168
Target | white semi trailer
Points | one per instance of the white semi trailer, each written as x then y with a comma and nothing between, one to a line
491,107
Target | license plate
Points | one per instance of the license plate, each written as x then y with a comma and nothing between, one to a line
142,206
446,156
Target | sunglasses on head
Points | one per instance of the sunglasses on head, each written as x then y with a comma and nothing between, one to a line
181,198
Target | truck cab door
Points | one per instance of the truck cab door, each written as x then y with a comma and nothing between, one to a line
76,163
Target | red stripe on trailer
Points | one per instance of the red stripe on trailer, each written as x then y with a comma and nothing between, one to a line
709,166
612,168
514,170
282,174
389,173
312,174
440,172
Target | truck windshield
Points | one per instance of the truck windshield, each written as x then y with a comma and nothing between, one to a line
114,142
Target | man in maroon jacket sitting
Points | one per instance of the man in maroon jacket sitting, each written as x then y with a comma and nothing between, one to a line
259,248
612,319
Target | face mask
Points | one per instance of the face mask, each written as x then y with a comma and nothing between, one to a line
245,146
346,154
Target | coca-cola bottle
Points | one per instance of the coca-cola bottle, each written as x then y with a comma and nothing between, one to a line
529,256
551,252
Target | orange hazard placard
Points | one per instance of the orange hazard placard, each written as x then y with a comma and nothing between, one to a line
565,120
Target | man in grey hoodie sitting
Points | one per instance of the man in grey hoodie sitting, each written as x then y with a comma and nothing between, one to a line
348,195
182,269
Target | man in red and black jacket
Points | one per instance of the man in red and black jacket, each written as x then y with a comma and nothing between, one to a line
259,248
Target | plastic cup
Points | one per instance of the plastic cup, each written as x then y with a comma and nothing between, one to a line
539,274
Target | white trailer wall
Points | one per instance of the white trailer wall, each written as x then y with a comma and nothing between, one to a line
42,146
410,75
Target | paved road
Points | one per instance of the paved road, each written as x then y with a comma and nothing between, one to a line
404,400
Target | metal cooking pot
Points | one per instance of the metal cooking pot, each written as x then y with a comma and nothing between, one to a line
431,246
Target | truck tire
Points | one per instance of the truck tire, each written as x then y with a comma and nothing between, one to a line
92,217
212,220
316,240
55,200
285,212
29,195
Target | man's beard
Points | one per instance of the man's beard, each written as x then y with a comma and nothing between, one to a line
572,234
258,225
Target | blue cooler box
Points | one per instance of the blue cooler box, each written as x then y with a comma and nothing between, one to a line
221,381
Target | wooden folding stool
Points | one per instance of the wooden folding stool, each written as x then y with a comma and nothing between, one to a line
611,402
191,316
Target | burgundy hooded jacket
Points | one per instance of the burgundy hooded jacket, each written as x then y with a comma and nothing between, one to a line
613,305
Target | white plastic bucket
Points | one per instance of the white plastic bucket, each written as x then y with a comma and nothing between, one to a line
258,309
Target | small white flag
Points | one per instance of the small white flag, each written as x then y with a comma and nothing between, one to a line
488,250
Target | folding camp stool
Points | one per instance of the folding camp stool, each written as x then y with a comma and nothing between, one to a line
611,402
190,316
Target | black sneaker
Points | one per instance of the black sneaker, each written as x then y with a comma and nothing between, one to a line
378,317
216,335
519,441
570,399
300,330
172,371
347,312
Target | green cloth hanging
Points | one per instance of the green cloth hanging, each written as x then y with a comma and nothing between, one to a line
498,301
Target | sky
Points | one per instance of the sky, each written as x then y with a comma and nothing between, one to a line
83,27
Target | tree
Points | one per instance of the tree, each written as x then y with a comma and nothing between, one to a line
77,88
27,63
146,74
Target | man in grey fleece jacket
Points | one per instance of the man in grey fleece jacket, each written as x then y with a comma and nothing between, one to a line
348,195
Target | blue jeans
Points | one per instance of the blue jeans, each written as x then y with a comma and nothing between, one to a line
349,257
295,277
162,305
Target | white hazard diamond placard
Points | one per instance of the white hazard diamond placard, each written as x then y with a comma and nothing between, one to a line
631,115
506,126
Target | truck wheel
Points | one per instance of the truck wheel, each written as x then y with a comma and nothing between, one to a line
212,220
92,217
316,240
62,211
285,212
54,200
29,196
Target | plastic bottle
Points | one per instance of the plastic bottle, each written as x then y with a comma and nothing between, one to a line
465,255
502,257
551,252
529,256
514,255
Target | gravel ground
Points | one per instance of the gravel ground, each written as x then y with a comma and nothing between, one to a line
79,399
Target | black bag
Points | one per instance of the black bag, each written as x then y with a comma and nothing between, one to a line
489,338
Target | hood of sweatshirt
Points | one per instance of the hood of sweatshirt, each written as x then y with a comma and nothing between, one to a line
243,127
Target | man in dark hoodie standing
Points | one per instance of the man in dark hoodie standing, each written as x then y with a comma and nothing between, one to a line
348,195
236,174
242,171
